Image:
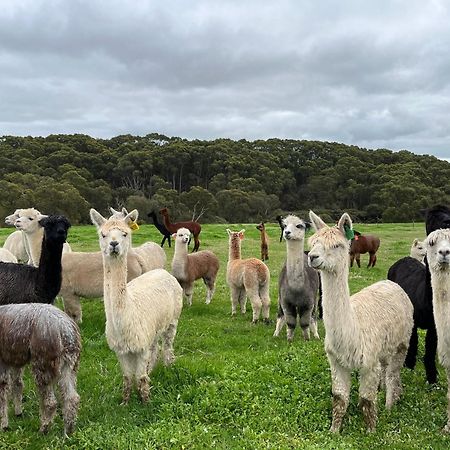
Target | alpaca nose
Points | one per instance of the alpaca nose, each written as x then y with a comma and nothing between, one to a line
114,244
287,232
444,252
312,257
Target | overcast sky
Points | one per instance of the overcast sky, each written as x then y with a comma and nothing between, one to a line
374,74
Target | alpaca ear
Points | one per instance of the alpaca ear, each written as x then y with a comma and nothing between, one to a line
124,211
345,220
229,232
415,242
113,211
174,235
131,217
97,219
316,221
241,234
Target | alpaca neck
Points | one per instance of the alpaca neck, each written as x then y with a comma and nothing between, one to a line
115,271
50,269
166,221
34,245
234,251
179,258
295,259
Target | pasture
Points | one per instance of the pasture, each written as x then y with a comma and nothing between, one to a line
233,386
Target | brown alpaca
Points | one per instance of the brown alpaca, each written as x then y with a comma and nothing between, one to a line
194,227
247,277
364,244
264,241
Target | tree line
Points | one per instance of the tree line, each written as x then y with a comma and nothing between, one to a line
221,180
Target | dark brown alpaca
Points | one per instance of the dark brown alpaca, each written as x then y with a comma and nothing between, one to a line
194,227
264,241
364,244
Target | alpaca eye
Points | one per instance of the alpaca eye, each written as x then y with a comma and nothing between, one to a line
124,234
300,226
30,218
103,235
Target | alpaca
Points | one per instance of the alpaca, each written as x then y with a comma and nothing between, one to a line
47,338
188,268
28,223
438,257
364,244
247,277
368,331
27,284
7,256
418,250
264,241
194,227
161,228
298,284
279,219
138,313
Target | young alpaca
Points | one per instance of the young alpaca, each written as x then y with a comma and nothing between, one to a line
188,268
264,241
438,257
247,277
161,228
194,227
27,284
298,284
47,338
418,250
368,331
138,313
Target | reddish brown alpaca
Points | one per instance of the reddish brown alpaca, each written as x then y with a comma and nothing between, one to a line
264,241
194,227
364,244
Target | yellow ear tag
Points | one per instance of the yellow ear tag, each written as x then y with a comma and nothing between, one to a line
134,226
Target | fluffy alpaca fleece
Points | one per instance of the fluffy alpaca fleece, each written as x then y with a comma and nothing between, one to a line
138,313
438,257
15,244
368,331
418,250
188,268
247,277
48,339
298,284
264,241
7,256
27,284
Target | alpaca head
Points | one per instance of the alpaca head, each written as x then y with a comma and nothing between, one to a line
9,220
436,218
418,249
329,246
114,233
235,238
182,235
294,229
164,211
438,250
261,227
55,228
28,219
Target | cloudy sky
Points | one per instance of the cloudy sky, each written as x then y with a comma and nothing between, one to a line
374,74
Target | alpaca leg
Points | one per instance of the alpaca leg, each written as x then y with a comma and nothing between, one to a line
352,259
153,357
280,320
411,355
358,260
167,347
141,375
374,260
368,388
255,300
305,322
290,314
163,240
72,306
265,300
446,429
127,366
210,288
17,390
4,387
48,405
313,327
243,301
70,398
393,380
235,294
340,386
188,292
429,358
196,244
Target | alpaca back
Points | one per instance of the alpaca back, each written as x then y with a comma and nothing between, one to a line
241,272
18,281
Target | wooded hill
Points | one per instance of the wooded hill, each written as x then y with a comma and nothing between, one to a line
223,180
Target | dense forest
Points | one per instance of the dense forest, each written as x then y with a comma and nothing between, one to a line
220,180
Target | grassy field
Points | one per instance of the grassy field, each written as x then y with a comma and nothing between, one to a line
233,385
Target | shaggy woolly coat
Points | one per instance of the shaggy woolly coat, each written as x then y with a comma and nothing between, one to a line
15,244
7,256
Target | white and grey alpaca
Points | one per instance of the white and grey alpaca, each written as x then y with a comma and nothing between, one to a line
298,283
368,331
247,277
45,337
188,268
138,313
438,257
418,250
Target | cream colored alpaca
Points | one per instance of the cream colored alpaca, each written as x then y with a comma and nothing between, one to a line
418,250
15,243
138,313
438,256
188,268
368,331
247,277
7,256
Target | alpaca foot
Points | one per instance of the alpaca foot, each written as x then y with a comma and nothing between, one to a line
446,429
369,411
267,321
254,321
44,428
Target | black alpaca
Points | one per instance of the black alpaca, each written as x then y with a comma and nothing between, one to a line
279,219
415,279
27,284
161,228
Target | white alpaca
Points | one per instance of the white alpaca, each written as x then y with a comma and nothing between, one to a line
438,257
418,250
298,284
28,223
247,277
368,331
188,268
7,256
138,313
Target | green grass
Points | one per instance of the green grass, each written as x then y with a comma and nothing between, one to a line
233,385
